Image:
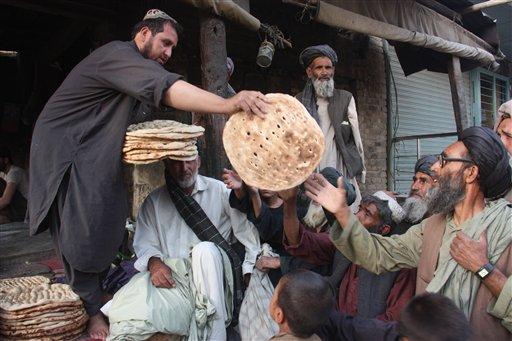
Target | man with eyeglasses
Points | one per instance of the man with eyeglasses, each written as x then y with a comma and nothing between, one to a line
463,250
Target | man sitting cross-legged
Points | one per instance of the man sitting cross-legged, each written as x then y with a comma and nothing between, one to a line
191,217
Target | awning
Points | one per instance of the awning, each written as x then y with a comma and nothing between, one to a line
423,38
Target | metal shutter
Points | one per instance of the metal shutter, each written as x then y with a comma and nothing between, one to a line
422,104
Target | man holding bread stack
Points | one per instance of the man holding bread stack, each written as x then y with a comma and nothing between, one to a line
76,187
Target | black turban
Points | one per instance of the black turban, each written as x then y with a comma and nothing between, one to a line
310,53
423,165
332,175
491,157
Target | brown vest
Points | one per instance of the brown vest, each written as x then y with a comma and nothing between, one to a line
485,326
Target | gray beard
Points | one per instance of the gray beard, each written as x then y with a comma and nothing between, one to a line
323,88
415,209
187,183
315,216
449,192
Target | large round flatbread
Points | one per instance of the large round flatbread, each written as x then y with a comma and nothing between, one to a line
277,152
158,126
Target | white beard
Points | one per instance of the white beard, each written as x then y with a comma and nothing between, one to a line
315,216
323,88
187,183
415,209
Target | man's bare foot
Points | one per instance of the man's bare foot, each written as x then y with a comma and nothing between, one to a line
97,327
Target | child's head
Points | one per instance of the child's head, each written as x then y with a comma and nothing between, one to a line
301,303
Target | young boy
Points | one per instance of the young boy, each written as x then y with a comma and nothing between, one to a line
300,305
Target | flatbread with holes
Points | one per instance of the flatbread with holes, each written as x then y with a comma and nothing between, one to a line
150,145
19,298
59,327
277,152
158,126
172,157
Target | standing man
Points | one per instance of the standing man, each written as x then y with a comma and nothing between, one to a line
335,112
76,187
464,250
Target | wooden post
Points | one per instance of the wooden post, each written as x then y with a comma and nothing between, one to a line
457,87
214,79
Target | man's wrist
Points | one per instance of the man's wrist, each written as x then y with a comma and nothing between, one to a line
484,271
342,214
153,261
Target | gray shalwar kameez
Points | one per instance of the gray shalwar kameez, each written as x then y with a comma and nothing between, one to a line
75,159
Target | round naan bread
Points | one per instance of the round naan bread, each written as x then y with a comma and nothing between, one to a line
277,152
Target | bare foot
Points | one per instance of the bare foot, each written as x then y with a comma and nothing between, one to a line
97,327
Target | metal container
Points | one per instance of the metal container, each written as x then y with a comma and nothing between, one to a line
265,54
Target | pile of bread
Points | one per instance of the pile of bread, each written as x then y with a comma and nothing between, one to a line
31,308
152,141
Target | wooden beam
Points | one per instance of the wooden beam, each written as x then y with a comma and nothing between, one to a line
214,79
483,5
458,96
65,8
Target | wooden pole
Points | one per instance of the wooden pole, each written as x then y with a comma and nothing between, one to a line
483,5
214,79
457,88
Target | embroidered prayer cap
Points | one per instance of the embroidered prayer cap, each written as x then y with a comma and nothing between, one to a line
505,111
424,165
158,14
489,154
397,212
310,53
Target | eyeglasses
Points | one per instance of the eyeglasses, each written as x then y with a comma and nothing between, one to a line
443,160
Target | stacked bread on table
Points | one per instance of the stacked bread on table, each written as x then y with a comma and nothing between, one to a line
152,141
31,308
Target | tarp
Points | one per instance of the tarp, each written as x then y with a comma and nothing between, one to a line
404,23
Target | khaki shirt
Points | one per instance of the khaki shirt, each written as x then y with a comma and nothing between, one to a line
379,254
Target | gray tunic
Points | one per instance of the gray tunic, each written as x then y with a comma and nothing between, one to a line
81,131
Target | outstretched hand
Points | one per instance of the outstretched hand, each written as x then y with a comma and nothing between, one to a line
232,179
252,102
318,189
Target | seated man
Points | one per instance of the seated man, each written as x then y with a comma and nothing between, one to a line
415,206
13,189
463,250
300,305
191,216
361,293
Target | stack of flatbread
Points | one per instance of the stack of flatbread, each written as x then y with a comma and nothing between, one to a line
278,152
152,141
31,308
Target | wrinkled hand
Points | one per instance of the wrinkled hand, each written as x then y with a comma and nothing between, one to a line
468,253
160,274
232,179
318,189
265,263
252,102
288,194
